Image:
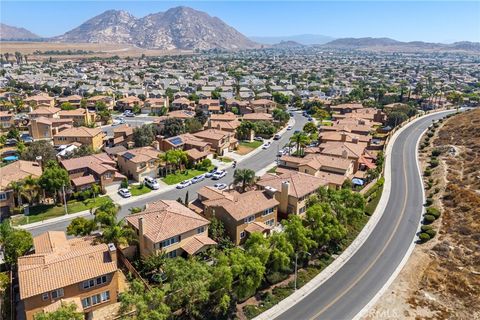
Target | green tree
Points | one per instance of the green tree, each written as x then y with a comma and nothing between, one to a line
326,229
143,136
300,140
67,106
396,118
282,250
245,177
189,282
40,148
280,98
81,227
247,272
310,128
66,311
192,125
281,116
146,304
298,235
54,179
15,242
173,127
244,129
118,234
258,246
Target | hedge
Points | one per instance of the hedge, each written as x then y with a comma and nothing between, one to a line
425,228
427,219
433,212
431,233
424,237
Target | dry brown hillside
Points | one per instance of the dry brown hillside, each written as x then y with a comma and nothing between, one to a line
442,277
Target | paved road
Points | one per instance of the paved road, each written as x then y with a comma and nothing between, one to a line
345,294
256,162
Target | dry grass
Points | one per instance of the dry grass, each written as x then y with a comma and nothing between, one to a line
100,50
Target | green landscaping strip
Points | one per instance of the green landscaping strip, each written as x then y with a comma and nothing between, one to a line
139,190
184,175
45,212
253,144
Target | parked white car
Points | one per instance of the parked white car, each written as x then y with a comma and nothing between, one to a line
198,178
289,128
219,175
124,192
220,186
266,145
184,184
152,183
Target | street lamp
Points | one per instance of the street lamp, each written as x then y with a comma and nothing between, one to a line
296,258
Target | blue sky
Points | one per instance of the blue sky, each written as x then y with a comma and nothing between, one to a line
435,21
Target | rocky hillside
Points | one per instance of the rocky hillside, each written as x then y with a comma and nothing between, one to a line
177,28
13,33
387,44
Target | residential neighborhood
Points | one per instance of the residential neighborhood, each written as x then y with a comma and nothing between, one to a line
195,186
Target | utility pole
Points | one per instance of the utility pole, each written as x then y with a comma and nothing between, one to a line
64,199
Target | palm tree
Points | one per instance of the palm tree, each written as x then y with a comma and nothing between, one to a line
118,234
245,129
244,176
300,139
17,187
30,190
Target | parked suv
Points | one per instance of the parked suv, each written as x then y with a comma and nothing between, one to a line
151,183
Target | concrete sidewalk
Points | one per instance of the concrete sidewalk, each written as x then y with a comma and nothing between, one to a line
66,217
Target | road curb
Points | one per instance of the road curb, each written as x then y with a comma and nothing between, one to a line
331,269
47,222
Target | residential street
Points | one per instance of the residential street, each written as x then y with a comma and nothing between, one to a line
352,287
256,162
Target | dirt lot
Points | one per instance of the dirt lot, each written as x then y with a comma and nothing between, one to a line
441,280
99,49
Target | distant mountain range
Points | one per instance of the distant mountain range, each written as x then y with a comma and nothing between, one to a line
176,28
306,39
13,33
387,44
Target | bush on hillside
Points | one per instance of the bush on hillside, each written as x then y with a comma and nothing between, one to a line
424,237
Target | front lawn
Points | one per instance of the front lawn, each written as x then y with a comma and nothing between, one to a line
225,159
245,147
183,175
45,212
140,189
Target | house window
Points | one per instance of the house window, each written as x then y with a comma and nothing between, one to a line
45,296
142,165
267,211
57,293
172,254
3,196
303,209
88,284
201,229
101,280
270,222
249,219
169,242
242,234
107,175
101,297
86,303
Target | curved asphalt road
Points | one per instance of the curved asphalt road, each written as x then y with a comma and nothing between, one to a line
352,287
256,162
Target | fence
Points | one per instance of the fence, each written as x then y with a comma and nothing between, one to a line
124,261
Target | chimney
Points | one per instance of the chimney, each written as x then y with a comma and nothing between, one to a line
156,145
344,136
283,208
141,239
355,140
345,154
113,252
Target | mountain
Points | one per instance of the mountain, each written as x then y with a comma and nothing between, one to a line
13,33
390,45
305,39
287,45
176,28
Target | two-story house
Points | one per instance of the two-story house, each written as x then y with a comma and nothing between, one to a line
139,163
45,128
80,117
14,172
240,213
39,100
169,226
61,269
92,137
44,112
156,106
94,169
220,141
6,120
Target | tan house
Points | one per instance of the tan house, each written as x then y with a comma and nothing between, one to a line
241,213
128,103
45,128
80,117
14,172
87,136
35,101
44,112
291,189
155,105
70,270
169,226
263,106
6,120
74,100
122,136
139,163
182,103
109,101
209,105
94,169
260,116
220,141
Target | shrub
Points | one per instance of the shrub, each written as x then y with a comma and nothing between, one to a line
436,152
424,237
433,212
427,219
425,228
124,184
434,163
429,202
432,233
427,172
430,134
